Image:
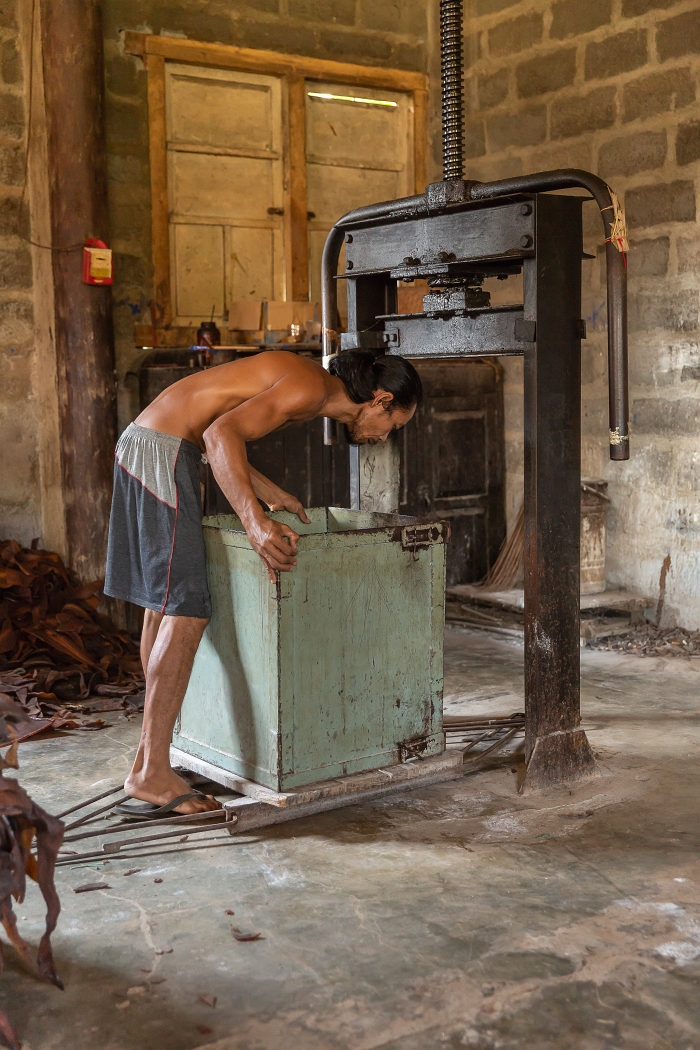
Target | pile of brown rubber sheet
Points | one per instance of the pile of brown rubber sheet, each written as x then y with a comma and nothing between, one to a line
61,661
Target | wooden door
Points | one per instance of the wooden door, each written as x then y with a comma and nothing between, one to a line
359,150
452,461
225,190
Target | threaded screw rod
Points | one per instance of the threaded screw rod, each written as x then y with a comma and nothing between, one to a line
452,75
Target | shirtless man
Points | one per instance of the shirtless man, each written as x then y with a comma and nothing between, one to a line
156,548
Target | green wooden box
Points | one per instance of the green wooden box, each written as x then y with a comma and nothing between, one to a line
335,669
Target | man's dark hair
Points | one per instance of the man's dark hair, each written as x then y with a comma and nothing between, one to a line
364,372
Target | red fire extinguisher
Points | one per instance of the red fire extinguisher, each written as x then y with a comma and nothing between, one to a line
98,267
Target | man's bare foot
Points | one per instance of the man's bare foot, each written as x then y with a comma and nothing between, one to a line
163,788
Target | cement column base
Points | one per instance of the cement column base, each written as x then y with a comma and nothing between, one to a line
558,758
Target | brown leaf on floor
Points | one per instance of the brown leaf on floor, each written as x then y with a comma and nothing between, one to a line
10,759
210,1000
204,1029
14,721
646,639
22,824
131,871
167,950
88,886
241,935
8,1036
8,639
229,912
110,703
157,880
109,690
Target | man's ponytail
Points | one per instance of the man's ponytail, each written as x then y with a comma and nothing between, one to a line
364,372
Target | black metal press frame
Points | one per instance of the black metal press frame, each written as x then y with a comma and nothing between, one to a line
456,235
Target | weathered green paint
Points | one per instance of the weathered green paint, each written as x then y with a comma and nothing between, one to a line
332,669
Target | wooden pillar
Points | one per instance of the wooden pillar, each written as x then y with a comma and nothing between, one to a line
296,216
556,746
77,179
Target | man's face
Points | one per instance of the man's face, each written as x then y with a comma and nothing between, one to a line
376,421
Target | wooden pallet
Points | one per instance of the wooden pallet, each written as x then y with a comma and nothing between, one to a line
260,806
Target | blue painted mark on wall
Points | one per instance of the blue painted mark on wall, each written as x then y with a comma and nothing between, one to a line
597,319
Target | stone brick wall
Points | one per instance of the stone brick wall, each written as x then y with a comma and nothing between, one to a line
19,469
611,86
373,32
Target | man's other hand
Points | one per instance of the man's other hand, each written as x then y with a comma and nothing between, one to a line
285,501
275,543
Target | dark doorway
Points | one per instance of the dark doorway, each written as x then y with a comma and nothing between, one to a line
297,460
453,461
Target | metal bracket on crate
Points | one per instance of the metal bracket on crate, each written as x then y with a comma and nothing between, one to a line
413,748
420,537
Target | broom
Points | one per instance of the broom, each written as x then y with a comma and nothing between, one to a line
508,567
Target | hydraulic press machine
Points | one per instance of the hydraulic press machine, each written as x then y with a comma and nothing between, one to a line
455,236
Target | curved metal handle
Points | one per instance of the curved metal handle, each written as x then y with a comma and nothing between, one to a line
567,178
564,178
330,321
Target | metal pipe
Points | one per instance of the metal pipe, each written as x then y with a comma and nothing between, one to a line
403,208
95,813
392,211
178,820
452,72
330,321
89,801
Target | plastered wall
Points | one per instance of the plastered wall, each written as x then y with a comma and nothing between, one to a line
611,86
20,501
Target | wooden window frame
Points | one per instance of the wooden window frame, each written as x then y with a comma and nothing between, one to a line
294,71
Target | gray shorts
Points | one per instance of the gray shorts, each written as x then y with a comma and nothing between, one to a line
155,553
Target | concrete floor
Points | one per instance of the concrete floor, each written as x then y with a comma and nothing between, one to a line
457,916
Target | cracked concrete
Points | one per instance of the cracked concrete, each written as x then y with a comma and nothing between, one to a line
461,915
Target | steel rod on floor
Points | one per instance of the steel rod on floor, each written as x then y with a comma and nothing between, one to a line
498,743
89,801
179,819
95,813
115,847
479,740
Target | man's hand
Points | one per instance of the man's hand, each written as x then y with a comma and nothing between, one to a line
284,501
275,543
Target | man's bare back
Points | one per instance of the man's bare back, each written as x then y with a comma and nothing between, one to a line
187,408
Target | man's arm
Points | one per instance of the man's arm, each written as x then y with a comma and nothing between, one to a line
288,400
275,497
